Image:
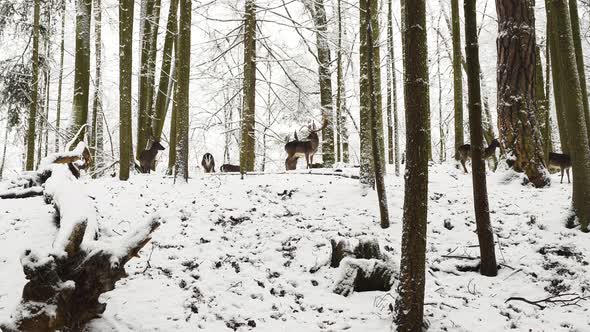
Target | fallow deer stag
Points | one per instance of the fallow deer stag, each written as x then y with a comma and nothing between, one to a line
563,161
308,148
147,157
465,152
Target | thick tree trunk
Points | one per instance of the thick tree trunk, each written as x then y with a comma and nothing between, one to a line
390,85
569,80
125,73
248,143
553,41
165,73
457,76
82,66
30,140
575,19
173,135
183,65
519,132
480,190
376,142
410,304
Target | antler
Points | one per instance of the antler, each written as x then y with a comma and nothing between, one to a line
323,126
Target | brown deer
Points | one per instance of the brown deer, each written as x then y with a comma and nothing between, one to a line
563,161
297,149
147,157
208,163
465,152
229,168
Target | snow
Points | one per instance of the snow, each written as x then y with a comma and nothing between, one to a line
234,253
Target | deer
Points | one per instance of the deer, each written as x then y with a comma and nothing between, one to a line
229,168
147,157
563,161
308,148
208,163
465,152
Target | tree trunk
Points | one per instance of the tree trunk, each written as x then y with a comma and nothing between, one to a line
82,66
318,13
6,131
96,145
480,189
143,112
441,131
30,140
165,73
410,304
519,132
367,172
183,65
248,144
553,41
339,88
457,76
547,120
125,74
61,74
389,68
575,19
542,104
376,143
569,80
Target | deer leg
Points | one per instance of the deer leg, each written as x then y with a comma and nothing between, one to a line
463,163
562,175
568,175
307,160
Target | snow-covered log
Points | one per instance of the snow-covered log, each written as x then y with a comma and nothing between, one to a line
366,248
65,283
360,275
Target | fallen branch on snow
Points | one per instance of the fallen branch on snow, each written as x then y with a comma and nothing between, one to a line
563,299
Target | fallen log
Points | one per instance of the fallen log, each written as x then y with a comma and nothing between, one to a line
64,284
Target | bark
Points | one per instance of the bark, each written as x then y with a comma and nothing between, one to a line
340,90
485,233
390,73
569,80
143,112
182,90
457,76
575,21
410,304
82,65
553,41
97,116
125,73
542,104
547,120
61,74
367,172
376,142
30,140
248,144
163,97
519,132
324,57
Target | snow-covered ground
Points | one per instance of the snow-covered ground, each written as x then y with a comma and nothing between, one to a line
243,254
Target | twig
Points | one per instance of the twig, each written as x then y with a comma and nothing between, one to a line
460,257
556,299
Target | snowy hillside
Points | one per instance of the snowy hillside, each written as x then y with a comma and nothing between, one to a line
254,254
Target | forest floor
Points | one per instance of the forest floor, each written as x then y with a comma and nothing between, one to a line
242,255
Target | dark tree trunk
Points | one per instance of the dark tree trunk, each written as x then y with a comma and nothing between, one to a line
410,304
457,76
125,73
519,132
248,144
480,190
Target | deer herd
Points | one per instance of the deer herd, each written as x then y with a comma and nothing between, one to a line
308,148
